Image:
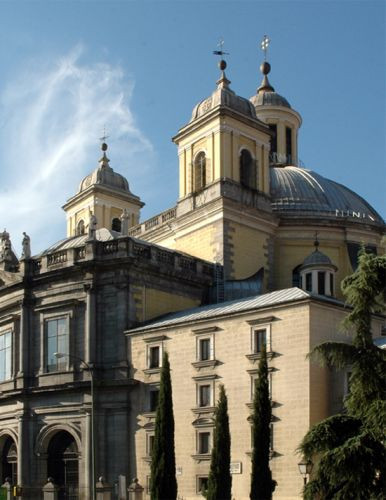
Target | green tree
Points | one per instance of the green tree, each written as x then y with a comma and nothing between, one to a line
220,479
350,447
163,484
262,484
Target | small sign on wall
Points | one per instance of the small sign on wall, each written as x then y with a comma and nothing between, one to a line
235,468
178,471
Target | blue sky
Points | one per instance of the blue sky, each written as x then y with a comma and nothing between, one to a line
70,67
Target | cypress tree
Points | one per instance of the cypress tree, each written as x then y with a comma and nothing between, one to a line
163,483
220,479
262,484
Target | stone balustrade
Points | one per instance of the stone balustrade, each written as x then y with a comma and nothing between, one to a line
123,247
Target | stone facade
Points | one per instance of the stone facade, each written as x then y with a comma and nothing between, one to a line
301,391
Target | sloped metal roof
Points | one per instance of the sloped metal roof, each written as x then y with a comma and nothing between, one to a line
296,190
226,308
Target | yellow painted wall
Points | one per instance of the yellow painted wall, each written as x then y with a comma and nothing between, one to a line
156,302
204,242
249,250
291,253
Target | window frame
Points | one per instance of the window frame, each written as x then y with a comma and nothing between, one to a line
200,385
199,176
198,478
5,330
152,389
199,340
68,360
199,434
268,342
150,436
254,377
149,348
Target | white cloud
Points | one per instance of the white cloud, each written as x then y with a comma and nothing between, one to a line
52,116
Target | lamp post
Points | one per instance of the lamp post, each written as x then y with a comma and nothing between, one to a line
305,469
60,355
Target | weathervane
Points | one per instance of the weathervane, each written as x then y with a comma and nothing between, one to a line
264,45
220,52
104,137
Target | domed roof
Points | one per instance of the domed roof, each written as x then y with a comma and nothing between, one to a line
316,258
266,95
104,175
297,191
269,98
224,96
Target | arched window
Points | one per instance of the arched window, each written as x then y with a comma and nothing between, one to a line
247,170
116,225
80,229
9,461
63,465
199,172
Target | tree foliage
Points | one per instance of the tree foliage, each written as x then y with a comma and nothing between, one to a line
220,479
163,483
350,447
262,484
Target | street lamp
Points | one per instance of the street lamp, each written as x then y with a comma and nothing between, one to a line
59,355
305,469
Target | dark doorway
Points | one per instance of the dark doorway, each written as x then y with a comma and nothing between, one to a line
9,461
63,465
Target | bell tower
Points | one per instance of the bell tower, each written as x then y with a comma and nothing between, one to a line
223,140
104,194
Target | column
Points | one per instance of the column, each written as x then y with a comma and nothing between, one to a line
23,339
90,322
23,468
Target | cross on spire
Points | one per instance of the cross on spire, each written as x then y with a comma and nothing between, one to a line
104,137
264,45
221,51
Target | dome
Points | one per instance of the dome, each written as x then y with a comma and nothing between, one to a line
104,175
315,259
269,98
296,191
225,97
266,95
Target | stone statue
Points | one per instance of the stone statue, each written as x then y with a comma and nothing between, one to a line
26,244
125,217
92,226
5,246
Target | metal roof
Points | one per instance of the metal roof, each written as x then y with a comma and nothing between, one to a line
225,308
295,189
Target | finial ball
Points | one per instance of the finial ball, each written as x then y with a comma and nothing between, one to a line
265,68
104,146
222,64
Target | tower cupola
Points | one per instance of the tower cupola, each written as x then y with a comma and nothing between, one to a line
284,122
317,273
104,195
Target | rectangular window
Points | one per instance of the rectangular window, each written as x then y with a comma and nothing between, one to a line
331,284
204,349
321,283
57,341
5,355
153,399
288,141
150,444
202,484
273,129
254,379
259,339
154,356
309,282
204,398
203,447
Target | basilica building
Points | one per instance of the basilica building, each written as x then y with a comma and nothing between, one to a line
252,253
